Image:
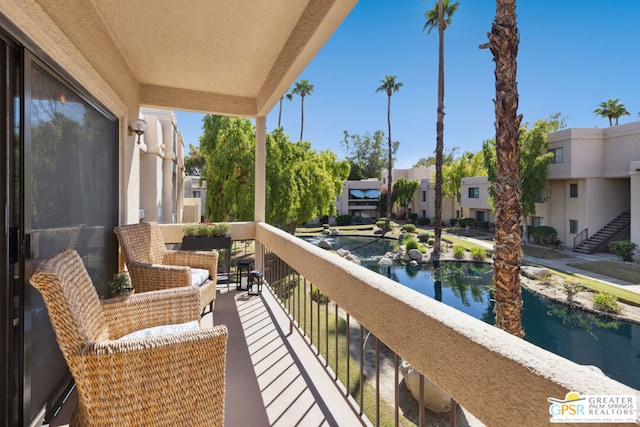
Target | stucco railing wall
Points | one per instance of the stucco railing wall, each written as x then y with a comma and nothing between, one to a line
501,379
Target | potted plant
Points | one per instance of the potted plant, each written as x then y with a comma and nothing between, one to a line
120,285
207,236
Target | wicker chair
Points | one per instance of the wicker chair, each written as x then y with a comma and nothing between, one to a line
152,266
175,379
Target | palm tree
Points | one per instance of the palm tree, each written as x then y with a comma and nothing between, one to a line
439,16
389,86
289,96
611,109
302,88
503,42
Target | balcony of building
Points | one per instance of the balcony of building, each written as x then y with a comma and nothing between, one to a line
284,353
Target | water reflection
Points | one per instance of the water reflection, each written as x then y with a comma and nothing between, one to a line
587,339
584,338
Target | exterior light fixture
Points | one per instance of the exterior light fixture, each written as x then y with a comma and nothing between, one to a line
138,127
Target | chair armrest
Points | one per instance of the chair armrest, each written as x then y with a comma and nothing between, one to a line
157,381
148,309
207,260
152,277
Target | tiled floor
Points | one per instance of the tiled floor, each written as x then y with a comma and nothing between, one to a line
272,378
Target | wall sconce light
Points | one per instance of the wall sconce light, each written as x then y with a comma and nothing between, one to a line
138,127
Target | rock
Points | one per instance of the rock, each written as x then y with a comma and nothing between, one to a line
413,263
335,232
415,254
534,272
351,257
326,231
385,262
324,244
342,252
434,398
407,258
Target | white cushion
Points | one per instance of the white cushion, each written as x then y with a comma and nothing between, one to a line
199,276
158,331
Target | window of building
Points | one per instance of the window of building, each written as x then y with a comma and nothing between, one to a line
474,192
424,196
558,155
573,226
541,196
424,213
537,221
481,216
573,190
196,194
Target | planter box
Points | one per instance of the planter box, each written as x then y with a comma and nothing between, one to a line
204,243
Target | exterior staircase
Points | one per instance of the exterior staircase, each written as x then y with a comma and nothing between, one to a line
604,235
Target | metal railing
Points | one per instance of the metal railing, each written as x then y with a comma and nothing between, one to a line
329,331
584,235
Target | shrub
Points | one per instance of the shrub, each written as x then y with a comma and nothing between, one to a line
623,248
412,243
424,237
409,228
325,226
324,219
431,242
571,288
343,220
413,216
453,221
423,220
382,224
606,302
207,229
544,235
478,254
467,222
318,296
458,252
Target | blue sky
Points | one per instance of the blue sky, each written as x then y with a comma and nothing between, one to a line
573,55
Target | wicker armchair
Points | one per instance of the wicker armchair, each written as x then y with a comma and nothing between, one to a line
152,266
175,379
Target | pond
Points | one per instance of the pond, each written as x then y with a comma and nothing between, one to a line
584,338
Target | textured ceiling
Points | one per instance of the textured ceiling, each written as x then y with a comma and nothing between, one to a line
241,55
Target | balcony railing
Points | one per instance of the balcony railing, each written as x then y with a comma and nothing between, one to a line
500,379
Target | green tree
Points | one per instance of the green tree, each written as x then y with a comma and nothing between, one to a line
611,109
302,88
366,154
447,158
228,145
405,189
503,43
533,164
302,184
440,16
389,86
195,163
467,165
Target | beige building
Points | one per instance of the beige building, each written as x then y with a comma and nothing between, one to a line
195,195
161,167
359,199
593,180
474,199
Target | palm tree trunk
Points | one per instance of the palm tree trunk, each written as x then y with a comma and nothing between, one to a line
280,111
389,178
437,225
508,188
301,117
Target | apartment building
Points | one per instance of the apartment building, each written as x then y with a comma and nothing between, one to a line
594,179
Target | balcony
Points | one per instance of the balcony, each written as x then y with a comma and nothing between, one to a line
280,367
